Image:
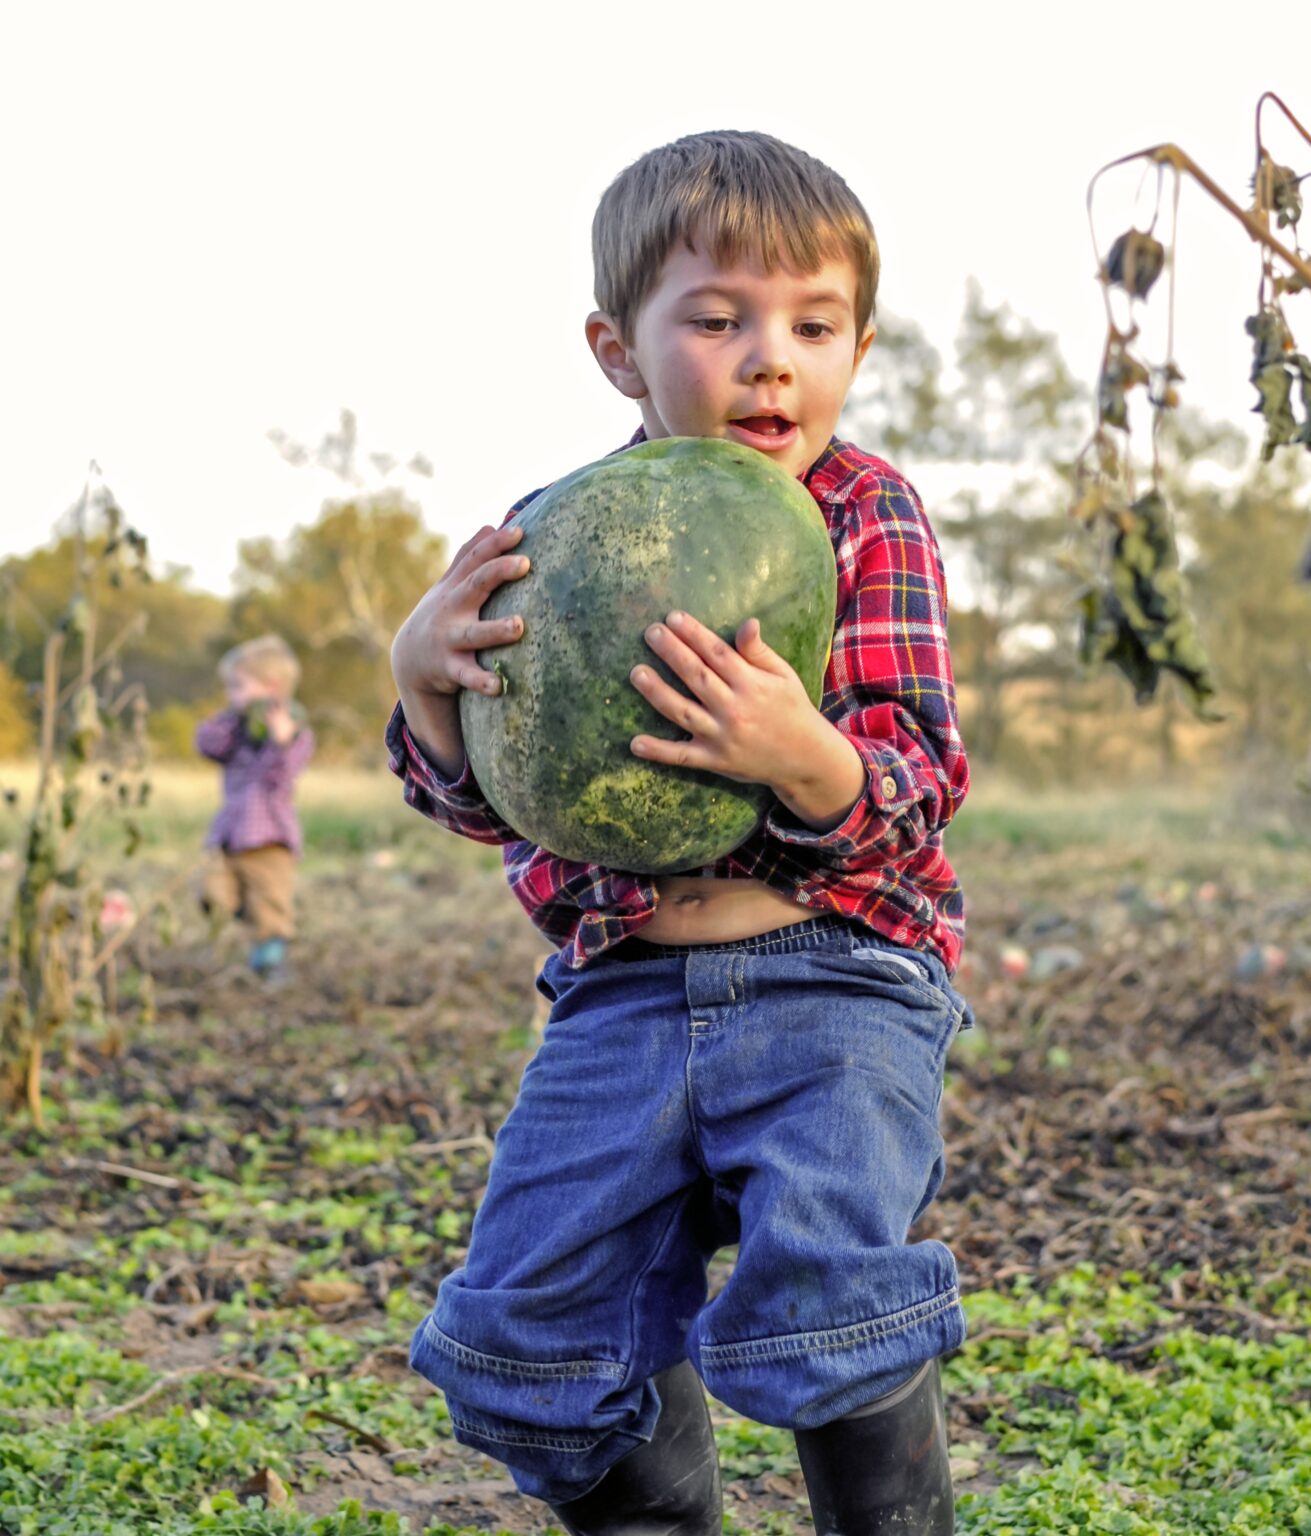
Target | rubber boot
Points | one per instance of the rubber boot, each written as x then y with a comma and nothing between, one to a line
883,1468
667,1487
268,957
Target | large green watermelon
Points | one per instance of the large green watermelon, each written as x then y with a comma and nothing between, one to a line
700,524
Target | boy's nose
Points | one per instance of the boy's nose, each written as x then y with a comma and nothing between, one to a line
768,364
771,371
768,358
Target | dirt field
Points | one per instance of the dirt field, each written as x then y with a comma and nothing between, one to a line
246,1211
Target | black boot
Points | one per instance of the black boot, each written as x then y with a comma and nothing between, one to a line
668,1487
884,1468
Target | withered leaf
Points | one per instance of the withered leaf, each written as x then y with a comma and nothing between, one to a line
1275,385
267,1485
1270,338
1137,619
1277,188
327,1293
1303,365
1120,374
1161,391
1135,262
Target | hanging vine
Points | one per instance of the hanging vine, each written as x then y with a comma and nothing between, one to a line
1135,614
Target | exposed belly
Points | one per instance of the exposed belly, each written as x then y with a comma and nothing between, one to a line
698,911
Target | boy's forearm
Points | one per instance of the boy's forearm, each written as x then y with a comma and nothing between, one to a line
217,736
433,722
829,780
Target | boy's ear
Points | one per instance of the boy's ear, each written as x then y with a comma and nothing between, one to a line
864,344
613,356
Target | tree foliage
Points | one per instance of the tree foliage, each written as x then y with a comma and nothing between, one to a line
177,630
1255,615
337,591
1010,410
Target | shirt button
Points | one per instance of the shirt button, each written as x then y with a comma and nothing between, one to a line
888,787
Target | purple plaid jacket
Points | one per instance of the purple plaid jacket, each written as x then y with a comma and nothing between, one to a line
257,779
889,687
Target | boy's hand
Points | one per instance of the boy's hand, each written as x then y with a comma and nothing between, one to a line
280,722
433,653
432,656
750,719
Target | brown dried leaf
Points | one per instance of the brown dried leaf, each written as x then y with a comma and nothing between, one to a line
267,1485
327,1293
1135,262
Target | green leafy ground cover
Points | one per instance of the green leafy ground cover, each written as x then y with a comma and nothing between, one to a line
213,1257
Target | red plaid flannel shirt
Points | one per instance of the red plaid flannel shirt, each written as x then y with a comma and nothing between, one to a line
889,687
257,781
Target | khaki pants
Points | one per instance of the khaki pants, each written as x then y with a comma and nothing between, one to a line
255,885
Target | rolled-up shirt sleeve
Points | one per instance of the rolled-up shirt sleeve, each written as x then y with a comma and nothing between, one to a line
218,737
889,686
458,804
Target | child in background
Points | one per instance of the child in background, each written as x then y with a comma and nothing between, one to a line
262,741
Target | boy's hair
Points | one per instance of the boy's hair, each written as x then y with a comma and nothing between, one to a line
268,659
743,194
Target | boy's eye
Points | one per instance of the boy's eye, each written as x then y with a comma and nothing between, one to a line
812,330
716,325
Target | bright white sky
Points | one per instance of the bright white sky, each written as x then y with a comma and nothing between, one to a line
225,218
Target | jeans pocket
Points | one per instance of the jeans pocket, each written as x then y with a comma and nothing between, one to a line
898,965
905,968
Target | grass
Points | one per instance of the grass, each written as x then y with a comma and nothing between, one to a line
1102,1414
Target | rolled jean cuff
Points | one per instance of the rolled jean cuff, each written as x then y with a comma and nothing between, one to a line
803,1380
546,1460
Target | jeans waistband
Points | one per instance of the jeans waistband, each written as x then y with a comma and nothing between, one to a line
814,933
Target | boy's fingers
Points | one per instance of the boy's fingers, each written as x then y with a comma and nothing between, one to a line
674,706
751,644
469,543
484,581
717,654
678,754
705,680
481,634
473,678
487,543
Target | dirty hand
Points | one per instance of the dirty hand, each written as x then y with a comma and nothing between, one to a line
750,719
433,652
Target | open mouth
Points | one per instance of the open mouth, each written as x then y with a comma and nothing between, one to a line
764,426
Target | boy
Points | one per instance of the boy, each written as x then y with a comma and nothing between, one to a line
263,743
747,1053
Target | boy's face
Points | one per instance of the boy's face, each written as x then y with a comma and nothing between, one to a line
244,689
761,358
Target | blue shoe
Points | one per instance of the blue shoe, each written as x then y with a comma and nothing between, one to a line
268,957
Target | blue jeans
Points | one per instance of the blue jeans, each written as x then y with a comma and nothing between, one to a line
781,1093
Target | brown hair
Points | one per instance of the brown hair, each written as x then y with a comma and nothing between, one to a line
742,193
268,659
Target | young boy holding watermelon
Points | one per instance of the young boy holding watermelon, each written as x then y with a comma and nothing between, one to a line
752,1053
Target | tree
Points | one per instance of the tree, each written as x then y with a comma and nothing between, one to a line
337,591
16,732
1013,402
1254,614
175,630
